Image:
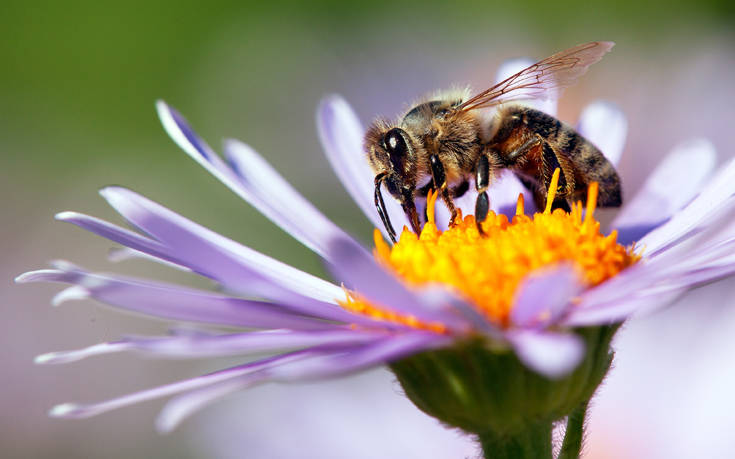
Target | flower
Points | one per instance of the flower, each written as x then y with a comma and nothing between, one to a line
557,315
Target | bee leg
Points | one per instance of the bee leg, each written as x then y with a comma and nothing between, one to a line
482,181
551,162
382,211
440,183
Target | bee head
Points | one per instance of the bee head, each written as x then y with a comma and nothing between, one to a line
391,153
392,158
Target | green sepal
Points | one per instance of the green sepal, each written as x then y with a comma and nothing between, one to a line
485,390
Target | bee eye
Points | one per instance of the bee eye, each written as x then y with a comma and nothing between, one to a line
395,144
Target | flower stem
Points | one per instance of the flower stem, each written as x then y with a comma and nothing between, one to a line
574,437
532,443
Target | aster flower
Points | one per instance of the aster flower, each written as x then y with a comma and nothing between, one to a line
498,336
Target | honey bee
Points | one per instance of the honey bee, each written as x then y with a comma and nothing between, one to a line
445,143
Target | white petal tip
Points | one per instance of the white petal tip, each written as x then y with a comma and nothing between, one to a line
330,99
39,275
553,355
107,191
66,215
165,426
72,293
50,357
162,108
68,410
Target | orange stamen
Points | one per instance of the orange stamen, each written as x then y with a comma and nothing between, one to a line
487,270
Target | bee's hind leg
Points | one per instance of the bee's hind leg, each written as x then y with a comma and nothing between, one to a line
440,183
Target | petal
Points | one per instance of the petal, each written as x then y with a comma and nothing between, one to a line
341,135
437,296
673,184
115,233
379,352
504,196
198,346
551,354
605,125
216,256
709,202
119,254
513,66
585,315
312,366
79,411
255,181
173,302
181,407
359,272
278,200
544,296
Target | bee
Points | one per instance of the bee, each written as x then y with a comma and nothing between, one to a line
445,143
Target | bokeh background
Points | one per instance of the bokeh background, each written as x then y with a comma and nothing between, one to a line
77,85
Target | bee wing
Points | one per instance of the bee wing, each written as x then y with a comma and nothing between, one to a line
555,72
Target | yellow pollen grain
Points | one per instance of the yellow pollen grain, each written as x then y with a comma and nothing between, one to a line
487,270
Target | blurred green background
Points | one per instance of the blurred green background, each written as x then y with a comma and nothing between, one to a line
78,81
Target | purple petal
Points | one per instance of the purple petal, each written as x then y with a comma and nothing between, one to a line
585,315
341,135
79,411
178,303
688,166
313,366
119,254
504,196
656,282
437,296
279,200
709,202
184,136
376,353
359,271
551,354
544,296
198,346
115,233
216,256
255,181
605,125
181,407
513,66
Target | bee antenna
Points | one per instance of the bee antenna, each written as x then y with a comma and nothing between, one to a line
380,205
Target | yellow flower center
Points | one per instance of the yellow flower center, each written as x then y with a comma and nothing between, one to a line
487,269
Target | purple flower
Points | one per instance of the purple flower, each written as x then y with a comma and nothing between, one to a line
681,220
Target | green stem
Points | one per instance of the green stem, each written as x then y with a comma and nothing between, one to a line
533,443
574,436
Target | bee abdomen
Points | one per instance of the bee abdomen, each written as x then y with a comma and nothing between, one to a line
591,166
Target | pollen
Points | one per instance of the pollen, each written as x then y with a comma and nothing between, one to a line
487,269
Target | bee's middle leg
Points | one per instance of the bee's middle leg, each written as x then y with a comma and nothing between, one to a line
550,161
440,184
482,181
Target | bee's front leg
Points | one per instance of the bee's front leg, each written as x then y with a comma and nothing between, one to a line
440,184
